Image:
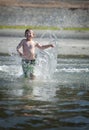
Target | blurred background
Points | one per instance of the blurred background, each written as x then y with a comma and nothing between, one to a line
60,13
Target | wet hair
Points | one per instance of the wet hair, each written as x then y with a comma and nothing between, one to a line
26,31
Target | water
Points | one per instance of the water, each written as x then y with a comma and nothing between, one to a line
60,17
57,99
61,102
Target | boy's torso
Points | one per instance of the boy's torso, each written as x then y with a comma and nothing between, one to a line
29,50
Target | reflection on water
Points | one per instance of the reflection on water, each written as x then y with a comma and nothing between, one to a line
61,102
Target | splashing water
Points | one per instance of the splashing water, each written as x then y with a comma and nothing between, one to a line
46,61
10,67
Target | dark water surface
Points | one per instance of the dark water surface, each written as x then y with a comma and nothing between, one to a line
61,103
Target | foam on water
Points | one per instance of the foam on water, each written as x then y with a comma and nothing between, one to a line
73,70
13,70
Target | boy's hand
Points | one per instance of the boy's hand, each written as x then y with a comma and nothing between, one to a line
21,54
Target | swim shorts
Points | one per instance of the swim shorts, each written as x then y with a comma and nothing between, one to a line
28,67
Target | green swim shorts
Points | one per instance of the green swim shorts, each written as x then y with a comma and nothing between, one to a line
28,67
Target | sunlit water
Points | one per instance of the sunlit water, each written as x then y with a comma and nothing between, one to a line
58,99
61,102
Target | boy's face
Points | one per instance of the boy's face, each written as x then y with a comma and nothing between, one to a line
29,34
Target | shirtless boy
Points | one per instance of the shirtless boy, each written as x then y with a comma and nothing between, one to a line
28,52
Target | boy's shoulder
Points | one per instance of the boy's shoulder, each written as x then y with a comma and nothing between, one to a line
23,40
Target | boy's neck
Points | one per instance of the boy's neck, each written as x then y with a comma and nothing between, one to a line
29,39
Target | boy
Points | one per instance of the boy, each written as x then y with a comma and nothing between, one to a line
28,52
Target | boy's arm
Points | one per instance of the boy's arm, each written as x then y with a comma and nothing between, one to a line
18,48
44,46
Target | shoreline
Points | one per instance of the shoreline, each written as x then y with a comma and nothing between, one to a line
46,4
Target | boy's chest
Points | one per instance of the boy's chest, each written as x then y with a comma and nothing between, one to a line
29,45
